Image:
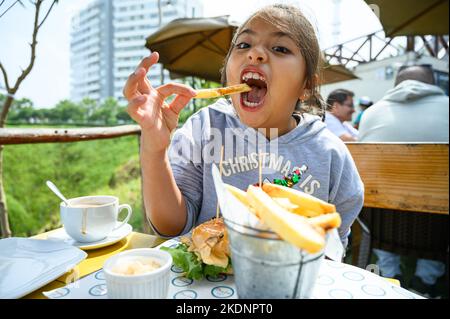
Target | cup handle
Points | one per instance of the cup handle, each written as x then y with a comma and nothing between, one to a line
128,208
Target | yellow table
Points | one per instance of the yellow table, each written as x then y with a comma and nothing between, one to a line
96,259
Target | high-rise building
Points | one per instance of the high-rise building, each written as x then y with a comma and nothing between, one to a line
108,41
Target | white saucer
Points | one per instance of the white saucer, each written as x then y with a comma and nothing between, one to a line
114,237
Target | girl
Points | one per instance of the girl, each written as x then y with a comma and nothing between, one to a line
277,53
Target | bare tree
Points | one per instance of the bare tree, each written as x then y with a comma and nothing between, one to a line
11,90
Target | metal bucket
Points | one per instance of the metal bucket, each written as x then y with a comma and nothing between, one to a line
267,267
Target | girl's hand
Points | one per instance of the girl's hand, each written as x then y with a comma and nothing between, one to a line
147,107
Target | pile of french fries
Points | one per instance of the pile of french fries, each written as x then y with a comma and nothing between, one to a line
296,217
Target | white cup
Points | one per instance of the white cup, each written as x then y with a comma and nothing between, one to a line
92,218
150,285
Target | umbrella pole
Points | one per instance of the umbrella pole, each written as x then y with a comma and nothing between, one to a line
194,104
410,43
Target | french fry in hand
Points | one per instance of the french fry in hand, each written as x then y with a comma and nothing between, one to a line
218,92
326,221
308,206
290,227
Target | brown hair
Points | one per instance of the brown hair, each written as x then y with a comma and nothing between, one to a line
338,96
290,19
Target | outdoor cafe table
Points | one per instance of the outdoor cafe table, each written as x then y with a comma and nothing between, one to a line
335,280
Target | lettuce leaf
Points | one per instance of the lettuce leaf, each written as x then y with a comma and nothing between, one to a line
214,271
193,267
186,260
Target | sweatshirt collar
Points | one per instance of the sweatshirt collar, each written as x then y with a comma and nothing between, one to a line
309,125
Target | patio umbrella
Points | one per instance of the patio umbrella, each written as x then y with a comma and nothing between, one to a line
412,17
333,73
193,47
198,46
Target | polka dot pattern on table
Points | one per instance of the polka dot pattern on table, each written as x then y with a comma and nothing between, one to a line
59,293
352,275
222,292
219,278
98,290
324,280
340,294
181,281
373,290
176,269
335,281
100,275
185,294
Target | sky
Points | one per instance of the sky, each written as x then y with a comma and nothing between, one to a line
49,81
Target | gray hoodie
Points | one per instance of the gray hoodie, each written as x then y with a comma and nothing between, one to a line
411,112
324,162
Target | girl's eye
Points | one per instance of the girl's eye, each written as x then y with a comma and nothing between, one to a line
242,45
281,50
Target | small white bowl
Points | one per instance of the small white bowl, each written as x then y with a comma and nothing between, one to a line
150,285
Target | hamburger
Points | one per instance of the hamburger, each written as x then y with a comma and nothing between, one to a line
205,253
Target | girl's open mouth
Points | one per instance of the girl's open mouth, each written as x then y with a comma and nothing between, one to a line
253,100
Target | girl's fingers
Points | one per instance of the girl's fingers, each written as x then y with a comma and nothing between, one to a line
137,82
134,108
130,90
184,95
144,84
147,62
179,103
169,89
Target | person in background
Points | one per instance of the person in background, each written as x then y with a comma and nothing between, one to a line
415,110
339,113
364,103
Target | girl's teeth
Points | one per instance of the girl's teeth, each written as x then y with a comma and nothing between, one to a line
251,75
250,104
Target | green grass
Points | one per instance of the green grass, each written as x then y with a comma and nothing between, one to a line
109,167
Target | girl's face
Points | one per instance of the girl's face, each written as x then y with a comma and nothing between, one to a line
272,64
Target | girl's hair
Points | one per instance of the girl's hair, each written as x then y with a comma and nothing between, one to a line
290,19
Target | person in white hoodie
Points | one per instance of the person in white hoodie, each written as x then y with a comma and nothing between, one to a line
415,110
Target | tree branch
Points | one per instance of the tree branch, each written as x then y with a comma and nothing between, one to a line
48,12
17,1
5,77
8,103
33,48
27,70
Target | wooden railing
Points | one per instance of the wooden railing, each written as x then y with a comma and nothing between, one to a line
10,136
15,136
